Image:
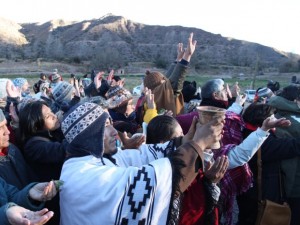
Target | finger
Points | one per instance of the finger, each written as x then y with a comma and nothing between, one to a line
42,212
208,166
52,189
217,163
223,163
191,36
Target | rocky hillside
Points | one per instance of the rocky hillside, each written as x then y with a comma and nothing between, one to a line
115,41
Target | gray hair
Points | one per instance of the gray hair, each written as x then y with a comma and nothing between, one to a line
210,87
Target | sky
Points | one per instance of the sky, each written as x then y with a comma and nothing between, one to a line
274,23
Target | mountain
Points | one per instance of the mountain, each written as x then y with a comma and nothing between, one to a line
116,41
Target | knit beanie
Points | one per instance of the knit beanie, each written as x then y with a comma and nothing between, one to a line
99,100
19,82
153,79
264,93
83,127
113,91
117,96
63,92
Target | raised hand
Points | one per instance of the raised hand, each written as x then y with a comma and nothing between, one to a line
133,142
240,99
110,77
180,52
11,90
98,78
229,94
272,122
121,82
18,215
150,99
215,171
235,90
191,46
209,133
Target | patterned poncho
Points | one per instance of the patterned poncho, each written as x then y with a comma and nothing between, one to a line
131,192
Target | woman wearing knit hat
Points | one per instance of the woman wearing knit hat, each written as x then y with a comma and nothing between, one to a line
138,186
167,89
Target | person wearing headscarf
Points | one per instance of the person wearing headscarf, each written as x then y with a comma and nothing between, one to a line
139,186
167,88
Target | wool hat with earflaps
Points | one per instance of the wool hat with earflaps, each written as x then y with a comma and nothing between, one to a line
153,79
117,96
83,127
63,92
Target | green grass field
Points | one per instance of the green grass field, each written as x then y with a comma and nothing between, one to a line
136,79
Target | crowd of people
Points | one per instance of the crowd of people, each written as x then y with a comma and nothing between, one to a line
83,152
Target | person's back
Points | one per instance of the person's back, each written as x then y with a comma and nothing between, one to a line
288,106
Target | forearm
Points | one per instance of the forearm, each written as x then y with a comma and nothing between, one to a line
236,108
178,76
3,217
170,70
243,152
186,160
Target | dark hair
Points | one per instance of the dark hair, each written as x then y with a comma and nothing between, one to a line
291,92
31,120
161,129
189,91
273,85
116,78
42,75
257,112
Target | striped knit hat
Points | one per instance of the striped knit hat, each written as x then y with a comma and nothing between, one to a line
83,127
63,92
